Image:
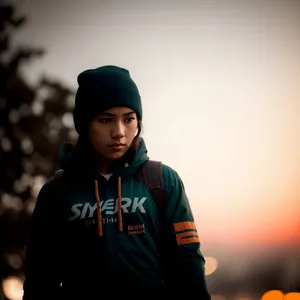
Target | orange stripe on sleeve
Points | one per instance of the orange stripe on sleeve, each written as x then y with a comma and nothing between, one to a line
184,226
187,238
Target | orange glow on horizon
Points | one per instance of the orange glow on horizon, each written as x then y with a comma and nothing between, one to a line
285,234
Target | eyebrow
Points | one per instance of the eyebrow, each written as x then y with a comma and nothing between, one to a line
113,115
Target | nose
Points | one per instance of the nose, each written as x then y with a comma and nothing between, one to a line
118,131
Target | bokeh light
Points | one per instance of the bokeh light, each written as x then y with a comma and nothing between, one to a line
13,288
210,265
279,295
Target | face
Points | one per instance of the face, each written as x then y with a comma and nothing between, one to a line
112,132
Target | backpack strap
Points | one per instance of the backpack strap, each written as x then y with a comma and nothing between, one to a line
151,174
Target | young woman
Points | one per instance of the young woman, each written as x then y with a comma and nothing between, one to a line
96,227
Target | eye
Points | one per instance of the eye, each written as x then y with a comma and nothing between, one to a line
104,120
129,120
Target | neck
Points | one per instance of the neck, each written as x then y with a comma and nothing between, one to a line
104,166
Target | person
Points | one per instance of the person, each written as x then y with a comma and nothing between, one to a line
104,234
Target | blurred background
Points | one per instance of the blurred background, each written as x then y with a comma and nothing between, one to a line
221,95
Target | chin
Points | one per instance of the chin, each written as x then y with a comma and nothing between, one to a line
115,156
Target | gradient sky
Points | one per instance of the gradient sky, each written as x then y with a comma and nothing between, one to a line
221,94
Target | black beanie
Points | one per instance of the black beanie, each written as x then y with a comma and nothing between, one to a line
101,89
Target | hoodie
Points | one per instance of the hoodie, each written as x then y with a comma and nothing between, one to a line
106,233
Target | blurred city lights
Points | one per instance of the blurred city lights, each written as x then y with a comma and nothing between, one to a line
210,265
279,295
292,296
13,288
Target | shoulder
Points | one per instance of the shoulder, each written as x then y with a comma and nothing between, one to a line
169,173
172,180
51,184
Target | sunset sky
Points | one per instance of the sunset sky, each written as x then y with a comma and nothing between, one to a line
220,82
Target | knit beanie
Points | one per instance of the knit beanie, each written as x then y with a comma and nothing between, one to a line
101,89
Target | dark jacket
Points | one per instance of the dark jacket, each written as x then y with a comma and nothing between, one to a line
66,256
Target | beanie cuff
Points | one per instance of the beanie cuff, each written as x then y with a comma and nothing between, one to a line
100,101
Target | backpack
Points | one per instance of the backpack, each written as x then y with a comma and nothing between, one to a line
150,174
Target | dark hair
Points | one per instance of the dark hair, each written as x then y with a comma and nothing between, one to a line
135,141
130,154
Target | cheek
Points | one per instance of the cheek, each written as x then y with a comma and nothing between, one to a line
132,131
97,137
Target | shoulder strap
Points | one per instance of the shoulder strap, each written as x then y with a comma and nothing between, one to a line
151,174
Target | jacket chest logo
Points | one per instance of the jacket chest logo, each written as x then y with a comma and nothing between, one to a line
109,207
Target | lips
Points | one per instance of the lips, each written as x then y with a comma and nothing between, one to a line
117,145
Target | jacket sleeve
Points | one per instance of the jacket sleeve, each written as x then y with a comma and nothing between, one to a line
185,262
42,260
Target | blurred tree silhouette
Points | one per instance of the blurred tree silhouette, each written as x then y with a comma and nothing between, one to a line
34,121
